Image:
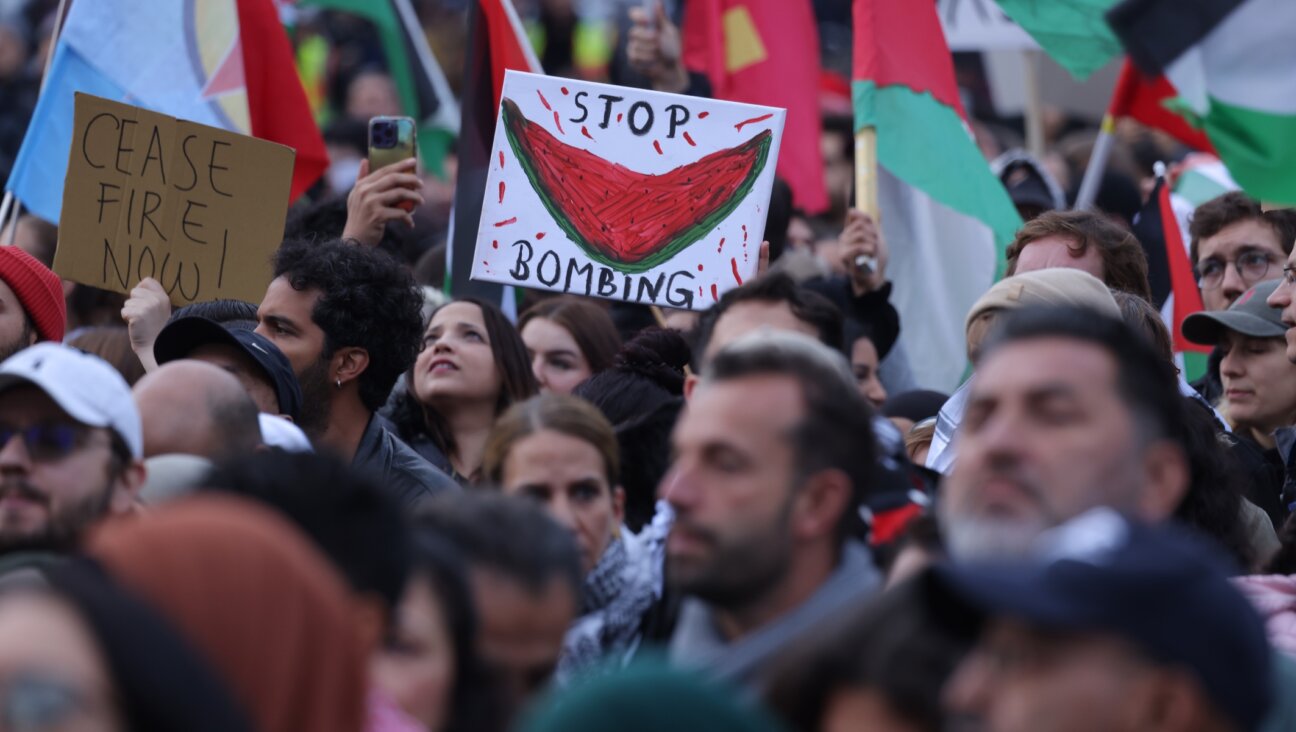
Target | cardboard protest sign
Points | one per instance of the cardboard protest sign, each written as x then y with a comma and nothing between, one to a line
198,208
625,194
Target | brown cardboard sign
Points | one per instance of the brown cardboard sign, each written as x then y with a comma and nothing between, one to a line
198,208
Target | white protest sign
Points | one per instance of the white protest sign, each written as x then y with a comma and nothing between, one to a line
625,194
979,25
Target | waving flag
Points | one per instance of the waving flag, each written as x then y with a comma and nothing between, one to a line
224,63
1073,32
946,216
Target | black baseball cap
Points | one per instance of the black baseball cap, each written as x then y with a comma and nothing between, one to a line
1156,587
183,336
1249,315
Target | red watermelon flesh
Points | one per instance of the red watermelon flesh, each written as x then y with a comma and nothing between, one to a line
628,220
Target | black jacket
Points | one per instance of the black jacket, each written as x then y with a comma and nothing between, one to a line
397,467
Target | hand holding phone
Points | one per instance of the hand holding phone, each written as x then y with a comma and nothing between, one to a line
392,140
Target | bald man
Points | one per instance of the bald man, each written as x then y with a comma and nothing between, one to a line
196,408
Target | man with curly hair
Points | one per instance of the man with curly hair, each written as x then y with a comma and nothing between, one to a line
349,320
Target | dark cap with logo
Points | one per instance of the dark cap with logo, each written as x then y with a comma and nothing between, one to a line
1250,315
183,336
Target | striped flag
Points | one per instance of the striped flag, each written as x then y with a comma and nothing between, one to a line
496,42
1147,100
1072,32
945,214
226,65
1231,62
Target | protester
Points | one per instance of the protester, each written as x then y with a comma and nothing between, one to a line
253,359
1083,240
1068,410
31,302
347,318
1144,319
865,356
429,663
880,667
472,367
1110,626
568,340
524,571
70,447
251,595
773,455
1259,389
641,396
195,408
560,451
78,652
1236,244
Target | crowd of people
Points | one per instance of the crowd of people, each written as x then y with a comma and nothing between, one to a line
361,505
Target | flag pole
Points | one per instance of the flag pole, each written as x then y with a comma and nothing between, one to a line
866,182
1034,104
1097,164
10,201
447,113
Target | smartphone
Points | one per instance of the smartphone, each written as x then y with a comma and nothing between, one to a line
391,140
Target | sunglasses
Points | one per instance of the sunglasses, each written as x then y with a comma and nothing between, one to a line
46,442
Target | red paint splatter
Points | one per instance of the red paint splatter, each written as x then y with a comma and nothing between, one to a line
619,116
689,139
657,147
485,263
699,268
721,244
753,120
501,158
744,234
544,101
501,192
558,122
564,91
506,222
703,115
715,295
699,290
585,132
495,244
540,234
734,263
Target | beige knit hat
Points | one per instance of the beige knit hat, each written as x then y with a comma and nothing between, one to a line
1048,287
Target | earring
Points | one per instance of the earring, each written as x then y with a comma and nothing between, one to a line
339,383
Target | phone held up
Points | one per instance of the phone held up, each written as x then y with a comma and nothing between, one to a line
391,140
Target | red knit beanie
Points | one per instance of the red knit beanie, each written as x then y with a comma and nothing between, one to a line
38,289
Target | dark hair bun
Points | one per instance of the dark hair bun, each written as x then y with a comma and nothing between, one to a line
657,354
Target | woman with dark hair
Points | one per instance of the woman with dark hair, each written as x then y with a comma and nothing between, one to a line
568,340
642,396
472,367
560,451
429,665
865,354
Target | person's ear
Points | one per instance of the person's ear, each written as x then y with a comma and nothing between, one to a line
1168,700
349,363
127,487
820,503
1166,483
690,383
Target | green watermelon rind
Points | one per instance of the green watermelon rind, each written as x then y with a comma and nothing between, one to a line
688,236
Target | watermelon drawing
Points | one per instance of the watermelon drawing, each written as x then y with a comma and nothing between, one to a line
627,220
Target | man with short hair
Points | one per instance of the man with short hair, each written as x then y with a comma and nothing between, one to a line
525,573
195,408
1236,244
350,321
1083,240
32,307
70,447
1109,626
772,457
1068,410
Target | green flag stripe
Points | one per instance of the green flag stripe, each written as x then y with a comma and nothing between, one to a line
1073,32
1259,149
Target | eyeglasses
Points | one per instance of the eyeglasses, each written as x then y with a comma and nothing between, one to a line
46,442
1250,266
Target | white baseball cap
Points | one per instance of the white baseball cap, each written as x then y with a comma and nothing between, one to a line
83,385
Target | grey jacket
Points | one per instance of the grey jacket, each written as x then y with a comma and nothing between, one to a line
398,468
697,642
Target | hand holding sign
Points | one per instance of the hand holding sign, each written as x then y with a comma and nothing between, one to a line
146,313
198,209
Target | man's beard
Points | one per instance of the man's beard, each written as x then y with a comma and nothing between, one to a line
22,341
970,538
738,572
317,398
63,527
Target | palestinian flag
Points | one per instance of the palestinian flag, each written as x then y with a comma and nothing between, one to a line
1147,100
946,216
766,52
1073,32
496,42
1174,288
1232,63
424,92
